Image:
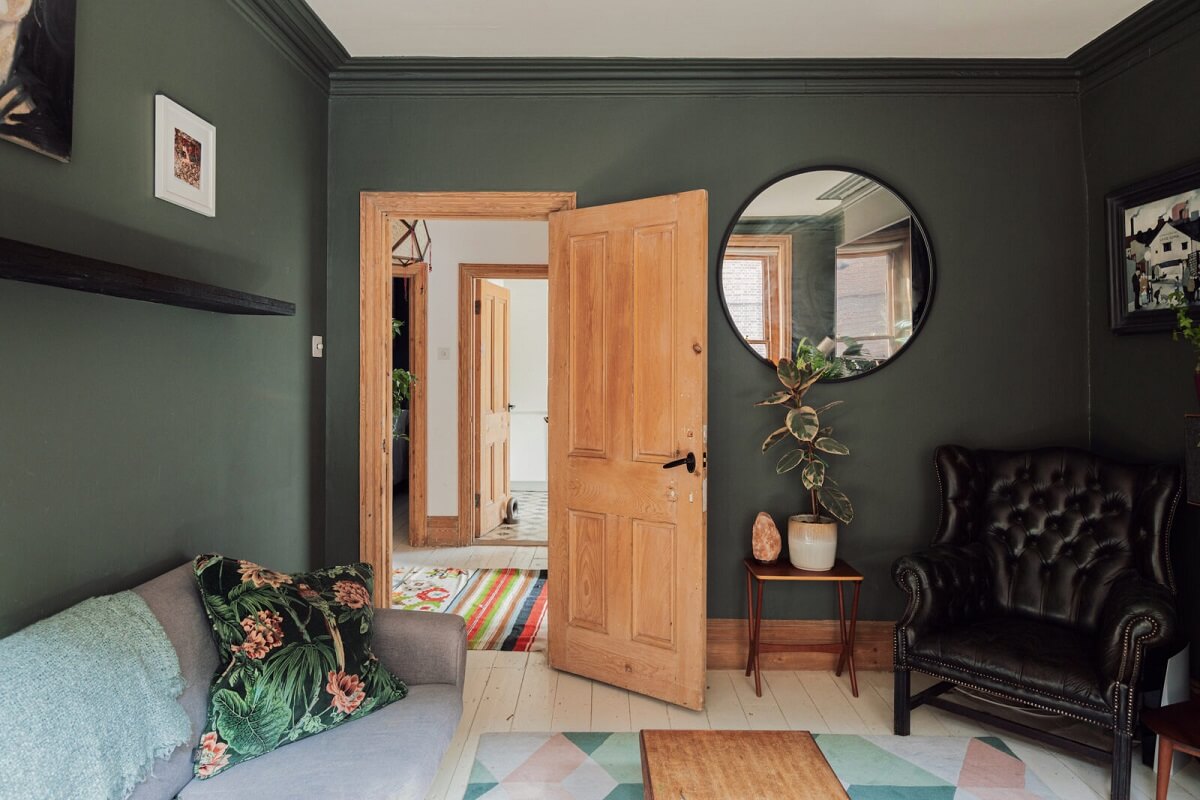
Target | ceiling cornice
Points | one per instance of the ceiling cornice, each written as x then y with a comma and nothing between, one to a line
648,76
299,33
293,27
1139,36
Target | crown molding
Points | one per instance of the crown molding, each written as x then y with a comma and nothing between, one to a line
299,34
458,77
1143,34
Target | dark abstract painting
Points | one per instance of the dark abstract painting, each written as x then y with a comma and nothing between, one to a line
37,74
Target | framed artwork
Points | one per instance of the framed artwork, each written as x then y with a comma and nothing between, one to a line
1154,250
185,158
37,75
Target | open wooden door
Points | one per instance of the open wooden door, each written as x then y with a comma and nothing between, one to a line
494,412
628,394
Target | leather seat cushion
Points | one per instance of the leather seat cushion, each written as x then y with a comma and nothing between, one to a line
1021,656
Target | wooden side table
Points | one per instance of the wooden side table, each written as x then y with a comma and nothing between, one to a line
1178,728
762,574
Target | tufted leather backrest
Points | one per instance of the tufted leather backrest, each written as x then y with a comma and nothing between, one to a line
1059,525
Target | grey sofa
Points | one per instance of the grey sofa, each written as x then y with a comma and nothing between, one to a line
393,753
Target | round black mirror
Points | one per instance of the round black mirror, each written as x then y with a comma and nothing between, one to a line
831,257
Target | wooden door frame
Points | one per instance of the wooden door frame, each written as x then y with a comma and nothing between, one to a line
376,209
468,390
418,359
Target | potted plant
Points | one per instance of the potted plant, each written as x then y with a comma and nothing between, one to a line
812,538
402,381
1187,328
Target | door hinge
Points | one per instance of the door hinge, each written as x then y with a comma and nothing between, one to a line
478,307
477,501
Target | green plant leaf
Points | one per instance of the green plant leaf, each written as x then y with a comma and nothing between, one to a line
297,667
789,374
250,729
777,398
803,423
790,461
836,503
828,406
774,439
828,445
813,475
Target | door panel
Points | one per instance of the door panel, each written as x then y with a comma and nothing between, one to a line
494,416
628,372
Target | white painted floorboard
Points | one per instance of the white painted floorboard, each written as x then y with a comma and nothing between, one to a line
519,691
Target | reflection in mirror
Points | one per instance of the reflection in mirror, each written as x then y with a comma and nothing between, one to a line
830,257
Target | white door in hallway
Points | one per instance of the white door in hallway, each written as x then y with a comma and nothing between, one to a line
495,416
628,395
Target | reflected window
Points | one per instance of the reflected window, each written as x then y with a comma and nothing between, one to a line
756,281
873,294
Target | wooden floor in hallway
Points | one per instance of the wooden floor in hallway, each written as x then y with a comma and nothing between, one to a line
520,692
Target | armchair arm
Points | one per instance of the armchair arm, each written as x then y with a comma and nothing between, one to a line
946,585
421,647
1137,615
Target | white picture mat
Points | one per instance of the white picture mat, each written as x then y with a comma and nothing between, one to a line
169,116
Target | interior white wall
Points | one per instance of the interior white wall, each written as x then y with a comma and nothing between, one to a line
461,242
529,370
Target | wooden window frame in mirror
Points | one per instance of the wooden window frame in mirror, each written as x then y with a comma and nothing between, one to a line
776,255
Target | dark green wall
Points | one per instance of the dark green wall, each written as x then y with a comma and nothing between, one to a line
132,435
997,180
1141,386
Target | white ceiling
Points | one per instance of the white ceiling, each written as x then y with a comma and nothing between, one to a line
722,28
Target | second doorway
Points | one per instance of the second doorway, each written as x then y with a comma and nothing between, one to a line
503,408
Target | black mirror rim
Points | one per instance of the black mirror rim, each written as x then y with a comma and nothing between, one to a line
916,218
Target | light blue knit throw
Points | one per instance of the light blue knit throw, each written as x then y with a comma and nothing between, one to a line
88,701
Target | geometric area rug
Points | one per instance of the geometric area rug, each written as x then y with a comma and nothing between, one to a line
504,609
607,766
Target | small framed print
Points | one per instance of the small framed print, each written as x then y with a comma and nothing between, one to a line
185,158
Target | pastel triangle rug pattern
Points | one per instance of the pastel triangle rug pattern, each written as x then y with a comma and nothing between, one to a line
607,766
505,609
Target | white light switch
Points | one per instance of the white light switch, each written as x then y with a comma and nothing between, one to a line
443,354
318,347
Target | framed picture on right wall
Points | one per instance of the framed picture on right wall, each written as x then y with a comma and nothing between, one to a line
1154,251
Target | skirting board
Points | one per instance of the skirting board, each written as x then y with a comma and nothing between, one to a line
441,532
727,644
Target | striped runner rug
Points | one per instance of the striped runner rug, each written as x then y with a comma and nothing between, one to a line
504,609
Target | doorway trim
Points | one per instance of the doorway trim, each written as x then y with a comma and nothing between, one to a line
468,392
376,210
418,359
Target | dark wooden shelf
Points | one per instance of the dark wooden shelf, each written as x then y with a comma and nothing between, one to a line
33,264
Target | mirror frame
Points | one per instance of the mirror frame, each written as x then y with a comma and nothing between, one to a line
916,218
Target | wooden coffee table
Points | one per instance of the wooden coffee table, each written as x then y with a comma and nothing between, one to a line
720,765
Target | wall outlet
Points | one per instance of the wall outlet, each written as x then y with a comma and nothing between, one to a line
318,347
443,354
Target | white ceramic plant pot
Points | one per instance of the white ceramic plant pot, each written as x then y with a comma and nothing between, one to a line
812,542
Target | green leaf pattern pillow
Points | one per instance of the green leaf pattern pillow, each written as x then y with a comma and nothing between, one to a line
295,655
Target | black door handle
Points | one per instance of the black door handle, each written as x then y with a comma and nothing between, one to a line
690,461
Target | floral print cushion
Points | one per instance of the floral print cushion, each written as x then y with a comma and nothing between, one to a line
295,657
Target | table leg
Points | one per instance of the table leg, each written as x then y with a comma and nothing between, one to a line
837,588
1166,749
749,623
758,612
850,638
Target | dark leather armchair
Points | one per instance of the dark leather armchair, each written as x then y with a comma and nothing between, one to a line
1047,585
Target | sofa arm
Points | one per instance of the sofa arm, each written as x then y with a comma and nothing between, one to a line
421,646
946,586
1137,615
